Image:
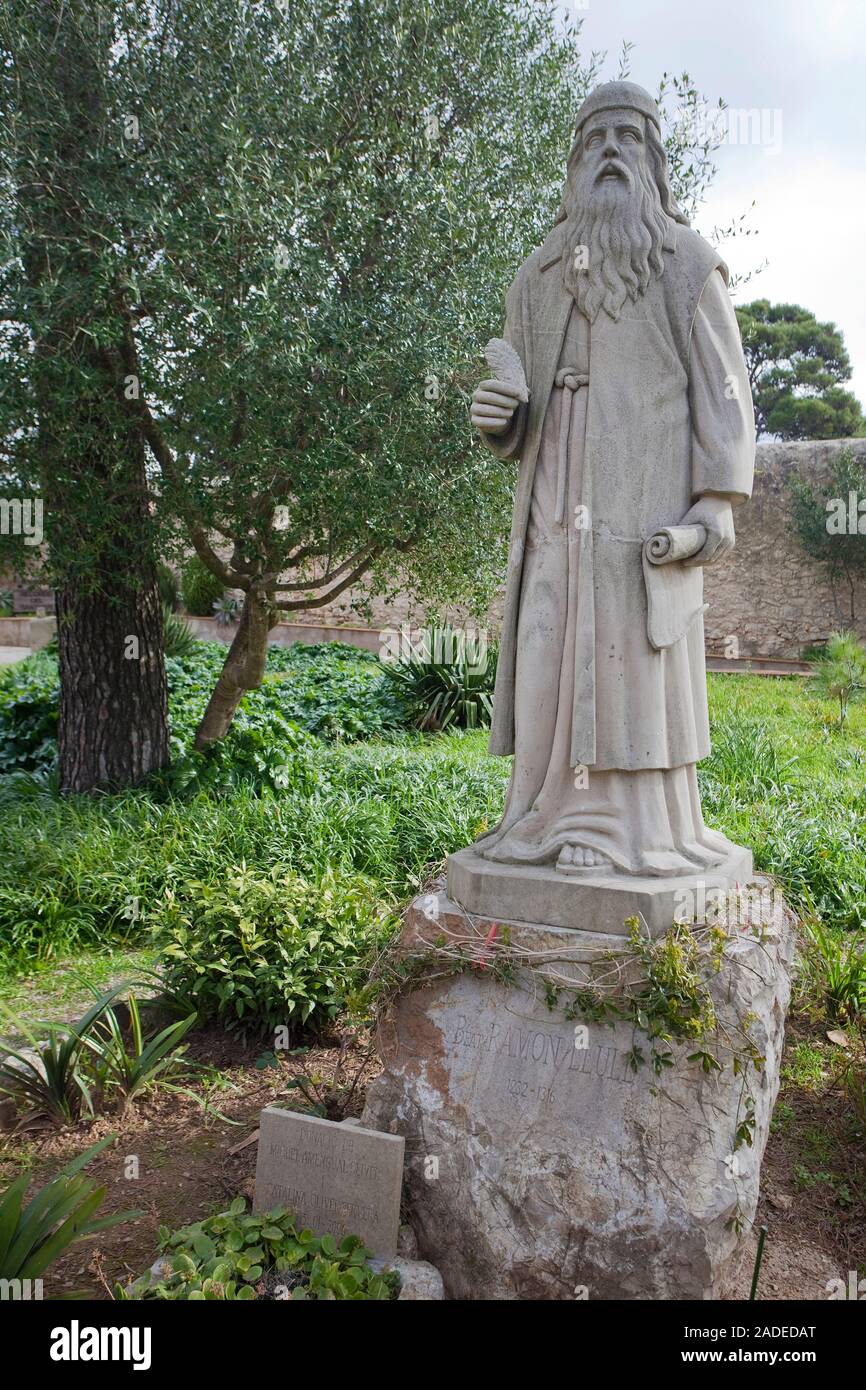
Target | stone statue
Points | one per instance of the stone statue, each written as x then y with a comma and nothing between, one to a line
635,444
567,1169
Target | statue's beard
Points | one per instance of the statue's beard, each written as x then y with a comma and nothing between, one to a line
616,229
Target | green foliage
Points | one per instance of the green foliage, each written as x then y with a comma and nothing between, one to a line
840,674
238,1255
169,591
262,750
338,692
789,792
179,640
87,1067
261,951
776,780
58,1215
835,414
53,1084
446,680
199,588
331,690
68,434
796,365
745,756
841,551
70,869
29,705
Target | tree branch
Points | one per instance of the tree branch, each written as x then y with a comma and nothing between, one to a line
319,600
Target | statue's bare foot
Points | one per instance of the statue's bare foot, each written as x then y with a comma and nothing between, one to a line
575,859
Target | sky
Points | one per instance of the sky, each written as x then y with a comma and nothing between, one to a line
802,64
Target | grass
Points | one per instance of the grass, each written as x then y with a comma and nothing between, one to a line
79,873
783,780
59,994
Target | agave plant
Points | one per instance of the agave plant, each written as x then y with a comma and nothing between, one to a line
226,610
445,681
59,1214
177,635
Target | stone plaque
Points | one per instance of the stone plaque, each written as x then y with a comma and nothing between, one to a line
340,1178
31,600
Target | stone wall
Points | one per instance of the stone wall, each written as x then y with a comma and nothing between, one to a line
768,594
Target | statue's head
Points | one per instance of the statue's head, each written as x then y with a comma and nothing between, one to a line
617,201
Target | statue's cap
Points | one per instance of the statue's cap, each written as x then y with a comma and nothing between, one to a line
621,94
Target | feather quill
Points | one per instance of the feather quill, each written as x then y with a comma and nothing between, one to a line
506,365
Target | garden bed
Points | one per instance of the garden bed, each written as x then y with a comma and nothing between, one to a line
193,1159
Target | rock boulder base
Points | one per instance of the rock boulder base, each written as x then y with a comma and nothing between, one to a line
538,1169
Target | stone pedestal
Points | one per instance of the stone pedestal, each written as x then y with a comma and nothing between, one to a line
529,893
539,1163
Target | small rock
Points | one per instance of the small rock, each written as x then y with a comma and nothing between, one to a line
420,1282
407,1243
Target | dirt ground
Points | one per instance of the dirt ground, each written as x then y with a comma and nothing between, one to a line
181,1155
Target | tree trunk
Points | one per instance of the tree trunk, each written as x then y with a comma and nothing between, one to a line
89,452
243,670
113,701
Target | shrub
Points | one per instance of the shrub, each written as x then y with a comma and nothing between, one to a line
200,588
338,692
239,1256
261,749
262,951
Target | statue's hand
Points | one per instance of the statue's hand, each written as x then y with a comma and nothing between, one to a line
493,405
716,515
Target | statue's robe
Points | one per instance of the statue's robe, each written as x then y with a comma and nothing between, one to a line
666,417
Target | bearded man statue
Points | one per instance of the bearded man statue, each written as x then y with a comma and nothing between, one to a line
639,418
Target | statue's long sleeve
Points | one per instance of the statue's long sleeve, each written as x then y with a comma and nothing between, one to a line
508,445
723,423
